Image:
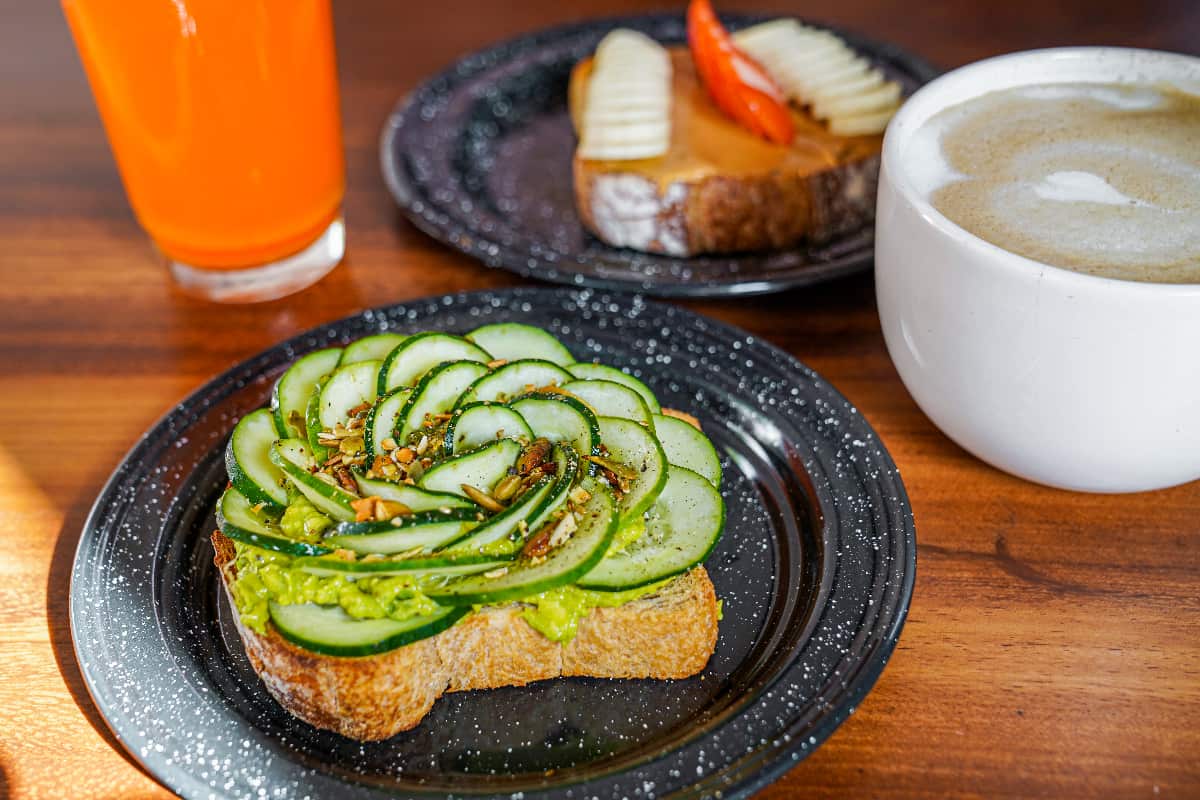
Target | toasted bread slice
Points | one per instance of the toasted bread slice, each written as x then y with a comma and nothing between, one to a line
669,634
721,188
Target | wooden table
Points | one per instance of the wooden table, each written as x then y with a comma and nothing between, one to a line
1053,646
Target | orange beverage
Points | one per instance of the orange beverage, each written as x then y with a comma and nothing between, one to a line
223,118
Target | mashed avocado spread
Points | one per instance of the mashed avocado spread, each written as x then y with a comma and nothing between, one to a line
264,577
556,613
302,521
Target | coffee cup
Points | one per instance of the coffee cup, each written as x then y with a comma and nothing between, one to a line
1055,375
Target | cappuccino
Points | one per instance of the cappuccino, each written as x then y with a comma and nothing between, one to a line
1094,177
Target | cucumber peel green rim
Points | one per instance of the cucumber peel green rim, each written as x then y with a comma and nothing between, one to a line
399,566
564,565
699,512
374,635
235,520
527,340
248,460
291,392
333,501
415,520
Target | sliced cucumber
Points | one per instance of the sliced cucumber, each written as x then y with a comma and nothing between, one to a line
512,340
331,631
248,459
565,564
634,446
347,388
496,536
502,525
477,424
560,418
383,418
412,523
295,458
568,471
479,468
289,398
237,519
441,565
514,379
371,348
415,498
427,530
418,354
426,538
681,530
312,422
437,393
602,372
611,399
687,447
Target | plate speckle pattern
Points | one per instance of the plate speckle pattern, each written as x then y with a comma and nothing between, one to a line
815,569
479,157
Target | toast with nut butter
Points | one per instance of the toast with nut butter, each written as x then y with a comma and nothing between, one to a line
760,140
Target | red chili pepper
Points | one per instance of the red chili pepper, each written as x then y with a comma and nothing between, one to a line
737,83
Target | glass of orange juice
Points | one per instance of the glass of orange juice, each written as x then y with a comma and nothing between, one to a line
223,118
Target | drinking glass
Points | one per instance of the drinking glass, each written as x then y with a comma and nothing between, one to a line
223,118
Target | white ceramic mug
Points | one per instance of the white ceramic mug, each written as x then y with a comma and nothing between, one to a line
1059,377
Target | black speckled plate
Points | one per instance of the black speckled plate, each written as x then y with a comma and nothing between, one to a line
479,157
815,568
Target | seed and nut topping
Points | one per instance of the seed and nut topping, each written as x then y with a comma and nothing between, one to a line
482,498
533,457
507,487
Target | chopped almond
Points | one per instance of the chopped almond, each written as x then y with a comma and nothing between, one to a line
539,544
563,530
389,509
532,458
364,508
345,479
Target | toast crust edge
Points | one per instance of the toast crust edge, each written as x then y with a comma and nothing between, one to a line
719,214
670,634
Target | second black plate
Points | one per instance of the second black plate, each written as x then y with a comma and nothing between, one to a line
479,157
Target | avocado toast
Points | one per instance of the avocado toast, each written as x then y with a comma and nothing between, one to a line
430,513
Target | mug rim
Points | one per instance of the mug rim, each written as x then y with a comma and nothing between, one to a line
900,131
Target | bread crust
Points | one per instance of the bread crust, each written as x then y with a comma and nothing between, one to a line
719,214
670,634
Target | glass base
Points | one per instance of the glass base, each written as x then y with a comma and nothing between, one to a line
268,281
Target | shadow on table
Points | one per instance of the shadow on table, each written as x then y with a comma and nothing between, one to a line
58,619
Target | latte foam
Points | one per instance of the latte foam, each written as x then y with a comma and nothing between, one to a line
1098,178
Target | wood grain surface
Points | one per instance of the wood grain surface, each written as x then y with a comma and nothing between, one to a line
1053,645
